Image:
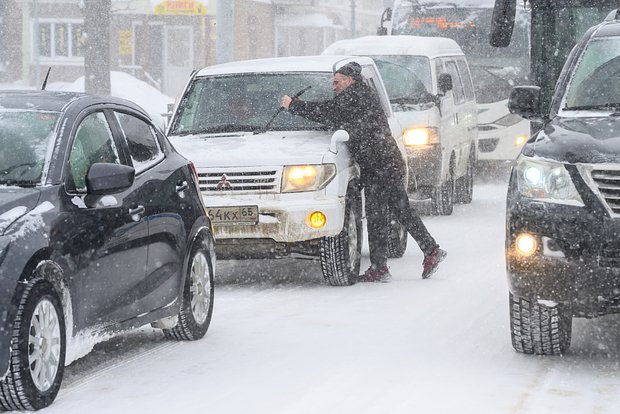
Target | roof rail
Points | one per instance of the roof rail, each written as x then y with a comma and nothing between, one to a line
614,15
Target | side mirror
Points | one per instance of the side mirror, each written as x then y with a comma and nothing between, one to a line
525,101
339,136
502,22
107,178
444,83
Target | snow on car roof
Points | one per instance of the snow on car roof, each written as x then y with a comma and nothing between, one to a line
282,64
446,3
395,45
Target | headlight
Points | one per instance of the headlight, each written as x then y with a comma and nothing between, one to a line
420,136
546,180
297,178
520,140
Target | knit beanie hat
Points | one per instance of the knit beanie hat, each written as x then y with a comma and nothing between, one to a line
352,69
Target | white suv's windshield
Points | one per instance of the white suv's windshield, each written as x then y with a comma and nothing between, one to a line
247,102
594,84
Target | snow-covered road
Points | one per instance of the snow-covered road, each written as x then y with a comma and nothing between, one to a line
283,342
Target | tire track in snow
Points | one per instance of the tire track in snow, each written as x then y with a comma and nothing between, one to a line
119,352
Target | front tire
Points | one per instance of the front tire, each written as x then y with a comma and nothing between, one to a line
340,255
197,301
443,197
38,349
539,329
465,185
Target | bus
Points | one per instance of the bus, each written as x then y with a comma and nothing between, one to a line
494,70
555,27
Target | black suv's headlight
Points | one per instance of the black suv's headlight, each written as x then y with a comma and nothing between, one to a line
546,180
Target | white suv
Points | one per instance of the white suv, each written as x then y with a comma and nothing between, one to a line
276,184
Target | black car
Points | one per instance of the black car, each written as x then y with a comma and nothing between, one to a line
563,204
102,229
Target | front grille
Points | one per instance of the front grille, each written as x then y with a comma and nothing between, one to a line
239,180
487,144
608,184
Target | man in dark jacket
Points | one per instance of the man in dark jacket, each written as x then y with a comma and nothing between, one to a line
356,109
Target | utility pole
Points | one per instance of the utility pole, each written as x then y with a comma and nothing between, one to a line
97,46
36,44
353,18
225,34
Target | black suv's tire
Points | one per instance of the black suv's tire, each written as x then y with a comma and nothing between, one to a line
397,238
197,301
442,198
340,255
539,329
38,349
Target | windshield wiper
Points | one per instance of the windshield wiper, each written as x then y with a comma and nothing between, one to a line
414,100
19,183
222,128
603,107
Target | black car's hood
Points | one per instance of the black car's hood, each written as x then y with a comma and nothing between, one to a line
14,203
578,140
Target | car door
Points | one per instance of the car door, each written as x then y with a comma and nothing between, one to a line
470,109
104,235
162,187
458,116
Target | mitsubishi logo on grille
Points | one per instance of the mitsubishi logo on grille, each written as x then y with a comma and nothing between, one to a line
223,184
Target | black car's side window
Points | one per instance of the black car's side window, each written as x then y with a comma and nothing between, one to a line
93,143
141,140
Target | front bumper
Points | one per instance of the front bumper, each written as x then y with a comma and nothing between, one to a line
282,217
577,261
496,143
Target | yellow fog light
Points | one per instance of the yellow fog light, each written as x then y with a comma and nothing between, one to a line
526,244
520,140
316,220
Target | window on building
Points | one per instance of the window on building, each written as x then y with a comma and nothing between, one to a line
61,40
252,37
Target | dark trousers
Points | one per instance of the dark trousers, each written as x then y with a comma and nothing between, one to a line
383,196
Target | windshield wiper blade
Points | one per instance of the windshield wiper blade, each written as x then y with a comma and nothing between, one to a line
604,107
222,128
19,183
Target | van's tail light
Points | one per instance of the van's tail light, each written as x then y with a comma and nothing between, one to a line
414,137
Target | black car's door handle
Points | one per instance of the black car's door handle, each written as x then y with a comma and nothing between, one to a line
138,211
182,186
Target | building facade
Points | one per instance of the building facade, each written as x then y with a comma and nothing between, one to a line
163,41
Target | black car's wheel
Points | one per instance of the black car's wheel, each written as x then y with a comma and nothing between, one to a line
539,329
197,301
465,184
443,197
340,255
397,238
38,349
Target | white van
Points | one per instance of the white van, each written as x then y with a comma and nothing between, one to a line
432,95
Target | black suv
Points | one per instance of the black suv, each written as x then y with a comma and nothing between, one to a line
563,205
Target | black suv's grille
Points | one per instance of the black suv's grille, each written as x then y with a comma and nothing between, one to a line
240,180
608,183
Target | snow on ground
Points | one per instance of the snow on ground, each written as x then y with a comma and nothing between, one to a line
281,341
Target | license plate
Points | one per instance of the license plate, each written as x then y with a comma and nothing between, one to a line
233,214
